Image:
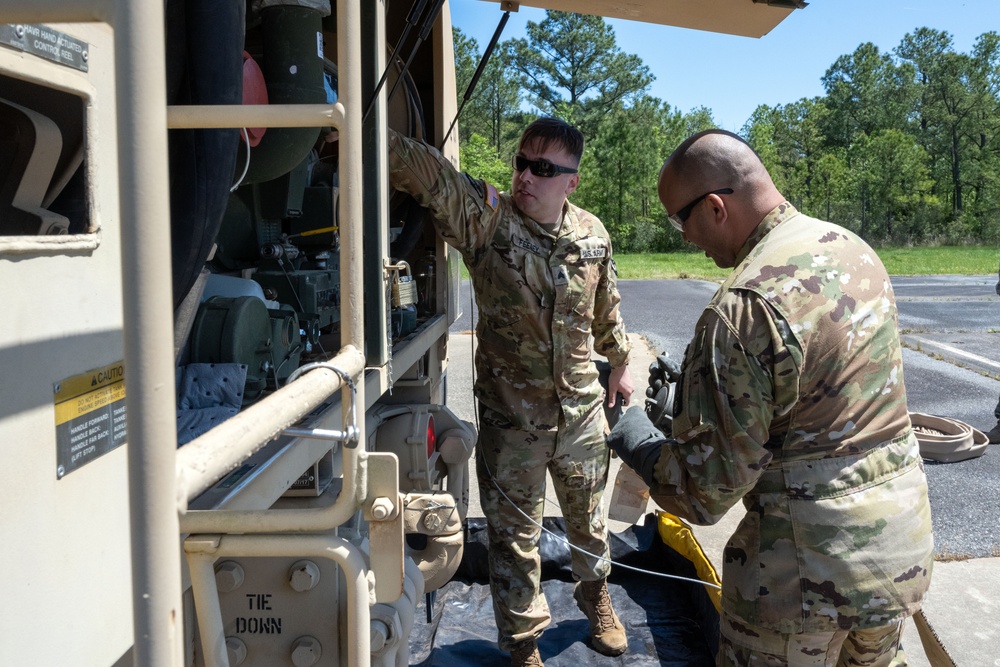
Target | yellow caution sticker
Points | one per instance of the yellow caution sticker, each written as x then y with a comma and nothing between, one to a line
90,416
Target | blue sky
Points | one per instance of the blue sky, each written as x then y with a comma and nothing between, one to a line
733,75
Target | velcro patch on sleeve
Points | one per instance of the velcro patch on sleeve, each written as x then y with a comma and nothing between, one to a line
492,197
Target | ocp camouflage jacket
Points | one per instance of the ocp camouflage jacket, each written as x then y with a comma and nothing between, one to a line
541,296
793,400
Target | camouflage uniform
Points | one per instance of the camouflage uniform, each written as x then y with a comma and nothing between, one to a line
542,297
871,647
792,400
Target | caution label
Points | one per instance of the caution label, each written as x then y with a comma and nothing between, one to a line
90,416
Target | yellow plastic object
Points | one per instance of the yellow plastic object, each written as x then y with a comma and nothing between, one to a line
678,536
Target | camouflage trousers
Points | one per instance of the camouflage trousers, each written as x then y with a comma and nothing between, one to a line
746,646
577,458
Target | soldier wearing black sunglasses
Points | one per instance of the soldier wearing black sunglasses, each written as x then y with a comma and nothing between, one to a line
542,168
545,284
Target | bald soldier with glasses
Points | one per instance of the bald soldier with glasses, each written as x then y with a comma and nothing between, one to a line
545,283
790,400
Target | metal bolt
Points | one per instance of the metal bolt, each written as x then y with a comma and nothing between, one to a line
236,650
19,31
303,576
60,471
306,651
432,521
382,509
229,576
86,56
379,635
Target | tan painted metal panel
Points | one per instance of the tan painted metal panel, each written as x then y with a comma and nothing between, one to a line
65,563
735,17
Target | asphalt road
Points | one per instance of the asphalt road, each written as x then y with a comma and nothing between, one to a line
950,327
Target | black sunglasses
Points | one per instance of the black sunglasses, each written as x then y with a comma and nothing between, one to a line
540,168
680,217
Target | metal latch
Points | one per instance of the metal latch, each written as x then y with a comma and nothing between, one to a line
349,436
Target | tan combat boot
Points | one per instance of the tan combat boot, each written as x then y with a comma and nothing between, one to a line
606,631
525,654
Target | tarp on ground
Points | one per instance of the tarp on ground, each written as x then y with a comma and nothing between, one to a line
670,623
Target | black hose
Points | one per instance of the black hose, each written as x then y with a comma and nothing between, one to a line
425,32
411,20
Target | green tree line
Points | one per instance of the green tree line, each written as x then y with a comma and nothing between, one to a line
904,147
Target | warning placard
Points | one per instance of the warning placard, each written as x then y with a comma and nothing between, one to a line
90,416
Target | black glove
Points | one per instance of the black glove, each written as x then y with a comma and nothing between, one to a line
614,413
637,442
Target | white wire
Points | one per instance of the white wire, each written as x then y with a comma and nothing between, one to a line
535,523
246,166
584,551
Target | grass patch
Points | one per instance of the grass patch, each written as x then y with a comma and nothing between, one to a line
940,260
650,266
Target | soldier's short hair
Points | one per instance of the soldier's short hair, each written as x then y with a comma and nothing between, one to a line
548,131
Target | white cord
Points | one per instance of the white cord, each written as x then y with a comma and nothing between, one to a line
246,167
535,523
584,551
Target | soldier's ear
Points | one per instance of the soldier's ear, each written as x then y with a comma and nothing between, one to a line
574,181
719,210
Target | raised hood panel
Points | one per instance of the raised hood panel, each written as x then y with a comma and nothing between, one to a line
735,17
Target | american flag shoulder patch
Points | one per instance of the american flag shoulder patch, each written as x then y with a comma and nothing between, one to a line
492,197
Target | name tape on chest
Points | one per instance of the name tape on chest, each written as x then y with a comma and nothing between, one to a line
528,244
593,253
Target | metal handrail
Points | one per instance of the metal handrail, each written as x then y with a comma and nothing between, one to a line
345,115
201,116
211,456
